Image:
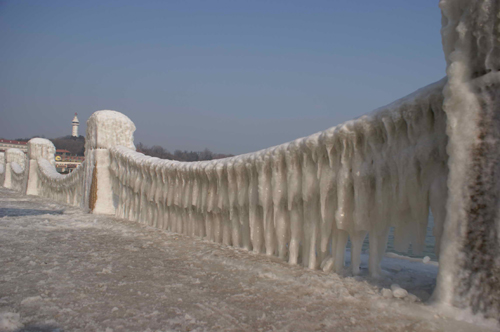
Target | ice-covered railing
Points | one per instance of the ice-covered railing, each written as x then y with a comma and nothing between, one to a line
437,149
44,180
302,200
15,170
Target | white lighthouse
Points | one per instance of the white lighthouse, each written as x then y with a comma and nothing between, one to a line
75,126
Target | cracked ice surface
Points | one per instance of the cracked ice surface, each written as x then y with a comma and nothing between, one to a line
61,268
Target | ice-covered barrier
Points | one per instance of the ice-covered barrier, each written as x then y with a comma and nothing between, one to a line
15,170
435,150
302,200
67,188
44,180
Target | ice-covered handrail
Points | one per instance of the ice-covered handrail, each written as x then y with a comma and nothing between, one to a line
67,188
44,180
301,200
436,150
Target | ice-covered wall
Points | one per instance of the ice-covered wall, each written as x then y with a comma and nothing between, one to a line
469,275
15,170
302,200
44,180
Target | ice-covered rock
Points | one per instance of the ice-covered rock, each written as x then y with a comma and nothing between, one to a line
398,292
387,293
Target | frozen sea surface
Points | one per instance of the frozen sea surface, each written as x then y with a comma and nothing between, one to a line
64,270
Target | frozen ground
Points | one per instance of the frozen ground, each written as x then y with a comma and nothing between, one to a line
64,270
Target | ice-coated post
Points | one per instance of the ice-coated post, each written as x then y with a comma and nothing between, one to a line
104,130
38,148
469,275
12,155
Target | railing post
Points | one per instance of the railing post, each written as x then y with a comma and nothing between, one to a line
12,155
38,148
104,130
469,274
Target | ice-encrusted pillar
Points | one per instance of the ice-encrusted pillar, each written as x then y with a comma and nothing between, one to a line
12,155
104,130
38,148
469,275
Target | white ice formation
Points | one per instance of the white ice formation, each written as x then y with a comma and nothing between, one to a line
435,150
469,274
62,188
302,200
15,167
104,129
44,180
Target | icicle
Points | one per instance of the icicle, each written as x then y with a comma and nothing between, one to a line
279,196
294,191
239,168
310,197
232,191
265,200
328,196
255,210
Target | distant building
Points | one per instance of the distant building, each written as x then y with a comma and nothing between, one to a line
65,162
75,123
7,144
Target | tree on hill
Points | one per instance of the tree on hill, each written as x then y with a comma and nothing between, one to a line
160,152
75,145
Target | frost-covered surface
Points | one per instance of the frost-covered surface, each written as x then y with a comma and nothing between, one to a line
66,188
16,168
15,175
470,273
41,148
38,148
302,200
104,129
15,155
109,128
63,268
18,177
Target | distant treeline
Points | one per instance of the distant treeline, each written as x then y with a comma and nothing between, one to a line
160,152
76,146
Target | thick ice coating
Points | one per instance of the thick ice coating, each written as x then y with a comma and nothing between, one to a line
470,266
302,200
15,169
109,128
44,180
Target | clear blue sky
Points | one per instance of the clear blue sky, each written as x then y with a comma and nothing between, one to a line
234,76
